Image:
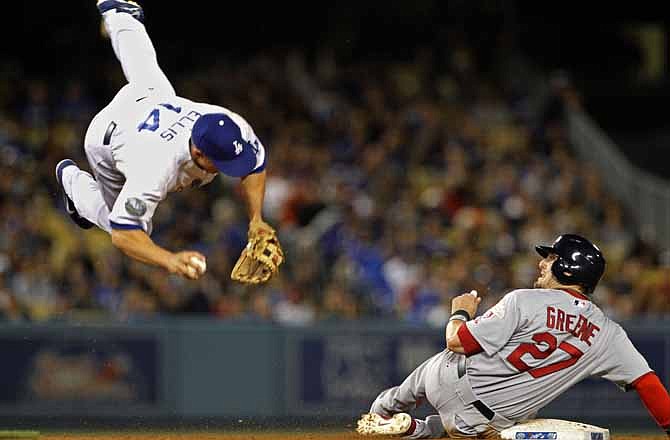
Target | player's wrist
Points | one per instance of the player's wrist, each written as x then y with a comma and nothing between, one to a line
461,315
168,260
170,264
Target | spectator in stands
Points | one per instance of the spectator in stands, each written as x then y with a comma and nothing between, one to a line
394,185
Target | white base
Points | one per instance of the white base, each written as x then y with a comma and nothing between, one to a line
553,429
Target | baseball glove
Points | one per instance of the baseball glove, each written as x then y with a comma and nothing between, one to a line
262,256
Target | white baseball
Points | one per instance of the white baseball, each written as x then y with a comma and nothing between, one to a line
473,293
199,263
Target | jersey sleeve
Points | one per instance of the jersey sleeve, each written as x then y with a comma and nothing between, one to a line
491,331
135,206
250,136
655,398
259,149
622,364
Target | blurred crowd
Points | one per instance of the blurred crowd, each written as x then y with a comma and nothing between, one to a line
393,185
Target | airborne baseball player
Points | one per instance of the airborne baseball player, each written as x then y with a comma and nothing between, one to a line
501,368
149,142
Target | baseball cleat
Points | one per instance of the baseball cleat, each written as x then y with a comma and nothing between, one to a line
67,201
374,424
126,6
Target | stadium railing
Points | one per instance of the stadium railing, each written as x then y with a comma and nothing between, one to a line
646,196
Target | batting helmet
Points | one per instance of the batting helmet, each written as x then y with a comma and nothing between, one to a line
579,261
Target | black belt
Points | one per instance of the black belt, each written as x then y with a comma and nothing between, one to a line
481,406
108,134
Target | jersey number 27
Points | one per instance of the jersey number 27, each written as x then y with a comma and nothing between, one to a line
549,341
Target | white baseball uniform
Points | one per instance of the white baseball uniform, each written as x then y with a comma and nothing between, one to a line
138,146
519,356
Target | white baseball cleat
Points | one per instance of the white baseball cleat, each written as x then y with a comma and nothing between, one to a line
127,6
67,201
374,424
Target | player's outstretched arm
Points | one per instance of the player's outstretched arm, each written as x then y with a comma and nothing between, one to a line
263,254
138,245
253,187
655,398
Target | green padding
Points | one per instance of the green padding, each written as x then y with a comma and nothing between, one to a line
19,434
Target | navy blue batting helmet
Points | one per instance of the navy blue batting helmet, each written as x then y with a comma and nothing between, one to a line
579,261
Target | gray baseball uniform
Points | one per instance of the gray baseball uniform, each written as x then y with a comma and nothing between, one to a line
519,356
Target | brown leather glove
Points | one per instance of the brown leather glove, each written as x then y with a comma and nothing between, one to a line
262,256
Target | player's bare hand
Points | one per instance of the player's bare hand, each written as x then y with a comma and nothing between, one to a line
182,263
467,302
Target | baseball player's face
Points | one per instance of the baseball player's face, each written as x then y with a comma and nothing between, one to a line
201,160
206,164
546,279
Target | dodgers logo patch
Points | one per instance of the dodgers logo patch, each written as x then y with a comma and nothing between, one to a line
136,207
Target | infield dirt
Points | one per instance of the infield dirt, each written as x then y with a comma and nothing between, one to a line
344,435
